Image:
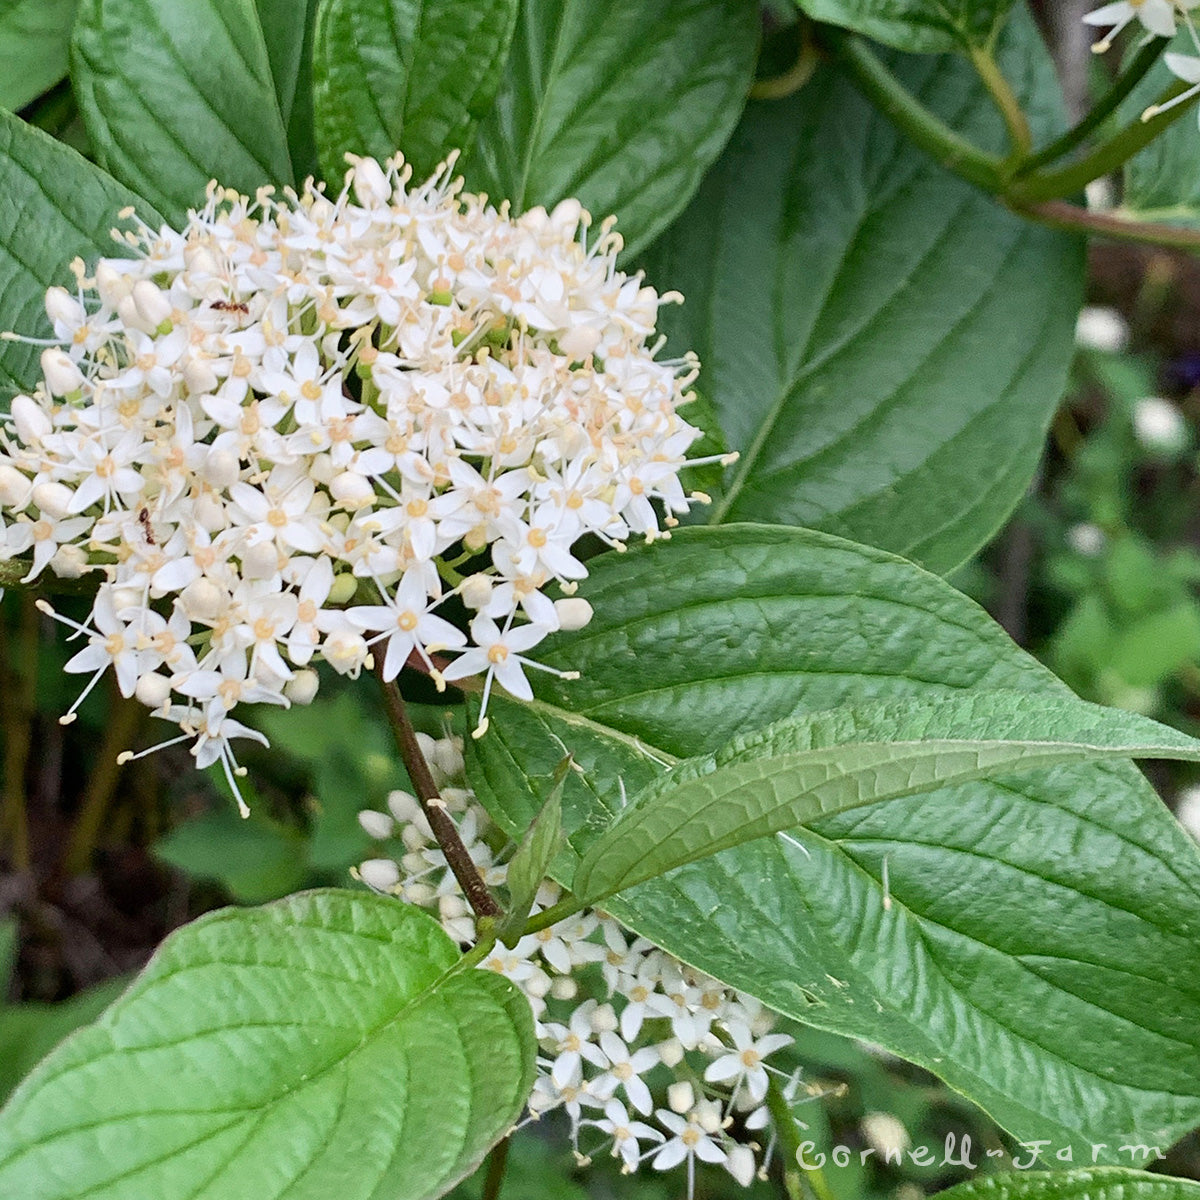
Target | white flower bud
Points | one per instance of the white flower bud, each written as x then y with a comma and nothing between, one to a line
680,1096
261,561
153,690
62,376
423,894
448,756
476,591
404,806
566,216
564,988
538,985
382,874
671,1052
30,419
708,1117
450,907
886,1133
345,651
54,499
112,285
199,375
579,342
63,309
69,562
352,489
153,307
574,612
202,600
200,260
413,838
302,687
1159,425
376,824
321,469
220,468
604,1019
371,185
1087,539
127,311
739,1162
14,488
210,513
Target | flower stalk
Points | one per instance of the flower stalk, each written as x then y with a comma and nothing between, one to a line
481,900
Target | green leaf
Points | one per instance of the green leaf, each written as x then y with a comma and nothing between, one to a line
30,1031
174,95
884,344
410,75
54,205
916,25
33,46
530,864
1162,182
280,1051
1038,943
798,770
253,860
288,32
623,111
1099,1183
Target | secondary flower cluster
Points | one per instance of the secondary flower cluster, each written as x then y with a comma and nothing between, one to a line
1160,18
294,429
650,1060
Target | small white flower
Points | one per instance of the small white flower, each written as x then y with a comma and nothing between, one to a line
627,1135
743,1065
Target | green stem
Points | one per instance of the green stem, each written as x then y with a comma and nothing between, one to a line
1105,159
923,127
1058,214
800,1183
1000,90
1101,110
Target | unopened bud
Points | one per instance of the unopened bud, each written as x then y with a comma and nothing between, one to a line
352,489
153,690
202,600
376,824
344,587
371,185
112,285
671,1052
382,874
573,613
680,1096
54,499
199,376
739,1162
69,562
63,309
153,306
260,562
476,591
302,687
14,487
62,376
564,988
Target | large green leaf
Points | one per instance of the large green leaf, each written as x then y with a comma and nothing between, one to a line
54,205
620,106
174,95
919,25
312,1047
804,768
883,343
288,32
410,75
1039,944
1100,1183
33,47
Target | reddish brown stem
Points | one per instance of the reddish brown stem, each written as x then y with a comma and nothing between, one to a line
481,900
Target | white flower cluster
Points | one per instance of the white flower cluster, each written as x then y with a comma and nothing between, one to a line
1159,18
649,1059
294,429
